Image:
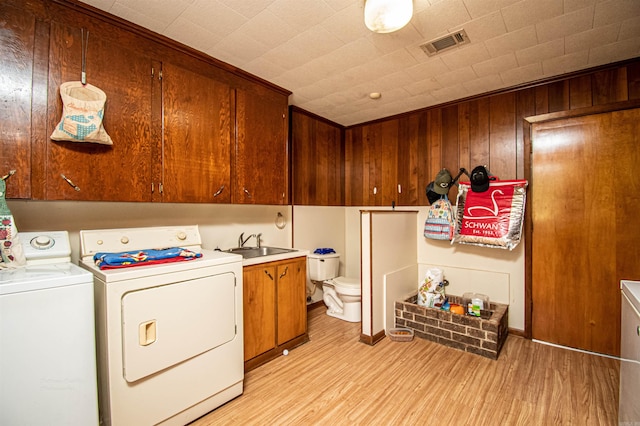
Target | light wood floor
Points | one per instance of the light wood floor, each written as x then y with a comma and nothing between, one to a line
336,380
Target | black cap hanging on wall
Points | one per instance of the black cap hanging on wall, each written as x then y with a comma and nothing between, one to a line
442,184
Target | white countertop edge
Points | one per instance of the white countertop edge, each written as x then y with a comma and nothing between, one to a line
275,257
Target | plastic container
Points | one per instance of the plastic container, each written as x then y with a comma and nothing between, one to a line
400,334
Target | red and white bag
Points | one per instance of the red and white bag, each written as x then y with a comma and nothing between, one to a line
492,218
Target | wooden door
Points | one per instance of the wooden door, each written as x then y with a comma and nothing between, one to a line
259,309
196,158
585,196
261,156
292,305
121,172
17,33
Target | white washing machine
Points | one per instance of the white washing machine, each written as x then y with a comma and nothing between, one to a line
47,337
170,335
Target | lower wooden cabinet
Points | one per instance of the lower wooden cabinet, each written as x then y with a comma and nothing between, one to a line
275,309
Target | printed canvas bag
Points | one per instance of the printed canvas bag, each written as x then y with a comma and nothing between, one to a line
82,114
440,224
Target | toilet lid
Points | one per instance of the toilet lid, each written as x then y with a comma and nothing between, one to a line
348,286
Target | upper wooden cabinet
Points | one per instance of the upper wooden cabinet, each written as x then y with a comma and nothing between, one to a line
95,172
261,158
196,149
17,32
317,160
185,127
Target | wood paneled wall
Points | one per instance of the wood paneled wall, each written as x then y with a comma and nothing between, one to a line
487,130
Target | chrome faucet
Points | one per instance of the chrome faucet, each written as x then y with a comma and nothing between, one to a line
242,241
259,239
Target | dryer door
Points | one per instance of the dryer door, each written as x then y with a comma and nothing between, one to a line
163,326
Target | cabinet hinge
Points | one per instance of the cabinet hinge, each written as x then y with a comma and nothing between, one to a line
153,72
160,188
160,75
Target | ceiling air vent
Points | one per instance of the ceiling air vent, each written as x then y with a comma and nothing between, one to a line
443,43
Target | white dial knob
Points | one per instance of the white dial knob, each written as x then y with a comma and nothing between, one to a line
42,241
182,236
124,240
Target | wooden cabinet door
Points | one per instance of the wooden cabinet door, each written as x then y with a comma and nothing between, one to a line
196,158
292,305
261,157
121,172
17,33
317,161
259,309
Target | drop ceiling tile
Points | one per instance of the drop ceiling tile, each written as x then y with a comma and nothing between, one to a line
301,14
560,26
227,48
450,92
612,11
423,86
512,41
457,76
187,32
268,29
496,65
485,27
247,8
540,52
530,12
437,19
146,13
303,48
619,51
478,8
520,75
630,28
433,68
592,38
263,68
465,55
484,84
567,63
347,24
571,5
386,43
214,17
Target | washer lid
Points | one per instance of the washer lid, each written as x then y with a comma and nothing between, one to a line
41,277
632,290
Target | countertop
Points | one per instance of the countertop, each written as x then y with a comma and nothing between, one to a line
275,257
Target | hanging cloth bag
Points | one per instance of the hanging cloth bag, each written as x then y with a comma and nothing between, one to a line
82,114
439,224
11,252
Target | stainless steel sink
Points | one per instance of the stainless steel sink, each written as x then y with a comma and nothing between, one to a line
251,252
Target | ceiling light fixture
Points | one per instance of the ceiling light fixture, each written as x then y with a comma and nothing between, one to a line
386,16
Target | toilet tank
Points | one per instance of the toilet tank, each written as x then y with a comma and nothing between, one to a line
323,266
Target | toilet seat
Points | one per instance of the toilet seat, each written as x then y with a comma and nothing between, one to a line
346,286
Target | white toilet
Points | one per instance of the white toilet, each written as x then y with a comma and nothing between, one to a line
341,295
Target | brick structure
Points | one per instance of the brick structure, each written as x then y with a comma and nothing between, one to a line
482,335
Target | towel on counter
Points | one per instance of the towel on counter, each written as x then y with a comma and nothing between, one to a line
143,257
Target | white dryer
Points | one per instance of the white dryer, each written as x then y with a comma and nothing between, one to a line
170,335
47,337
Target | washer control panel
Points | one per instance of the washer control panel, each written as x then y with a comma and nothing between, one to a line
46,246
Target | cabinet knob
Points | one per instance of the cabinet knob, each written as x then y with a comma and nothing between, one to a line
286,269
246,192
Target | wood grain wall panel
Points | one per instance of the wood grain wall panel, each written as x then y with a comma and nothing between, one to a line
464,145
423,158
610,86
39,131
434,141
354,167
542,99
525,107
303,138
479,152
633,80
580,95
388,192
559,96
502,135
407,161
450,143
